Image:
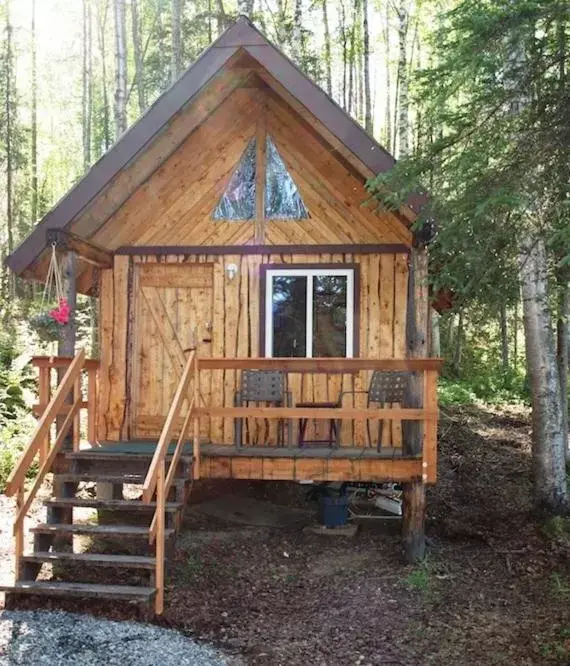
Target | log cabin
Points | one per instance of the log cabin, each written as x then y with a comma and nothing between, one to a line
257,320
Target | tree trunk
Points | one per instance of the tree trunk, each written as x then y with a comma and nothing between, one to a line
548,438
458,344
403,100
297,39
8,130
562,329
101,28
344,43
435,350
352,57
504,336
328,58
120,69
516,334
388,102
34,129
245,7
137,50
176,65
368,119
87,85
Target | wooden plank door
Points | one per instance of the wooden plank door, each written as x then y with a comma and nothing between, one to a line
173,314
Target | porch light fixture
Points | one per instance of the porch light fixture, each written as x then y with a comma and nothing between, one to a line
231,271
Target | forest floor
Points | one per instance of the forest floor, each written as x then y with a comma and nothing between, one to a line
494,588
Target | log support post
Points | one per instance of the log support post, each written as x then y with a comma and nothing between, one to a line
413,529
66,347
417,337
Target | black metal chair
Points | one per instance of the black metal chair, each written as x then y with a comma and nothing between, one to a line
266,386
386,387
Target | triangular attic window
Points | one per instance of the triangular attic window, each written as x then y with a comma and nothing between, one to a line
282,198
238,201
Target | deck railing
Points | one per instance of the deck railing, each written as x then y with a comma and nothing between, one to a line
50,408
427,413
158,479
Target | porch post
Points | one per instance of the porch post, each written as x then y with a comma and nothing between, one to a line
417,347
66,347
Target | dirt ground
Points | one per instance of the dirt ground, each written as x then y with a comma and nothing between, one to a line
494,588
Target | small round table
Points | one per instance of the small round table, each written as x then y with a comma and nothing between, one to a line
333,425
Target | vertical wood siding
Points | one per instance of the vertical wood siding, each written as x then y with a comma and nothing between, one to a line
141,373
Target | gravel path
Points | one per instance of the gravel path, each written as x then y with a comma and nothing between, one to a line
61,639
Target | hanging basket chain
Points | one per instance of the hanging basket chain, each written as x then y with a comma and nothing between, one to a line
54,280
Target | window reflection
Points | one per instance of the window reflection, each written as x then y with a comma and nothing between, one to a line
329,315
289,303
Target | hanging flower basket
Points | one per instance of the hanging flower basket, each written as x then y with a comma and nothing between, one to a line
47,323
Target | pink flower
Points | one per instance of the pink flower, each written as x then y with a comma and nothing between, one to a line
61,313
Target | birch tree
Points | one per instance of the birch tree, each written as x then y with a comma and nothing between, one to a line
87,84
102,16
9,98
368,117
34,121
176,27
120,68
138,55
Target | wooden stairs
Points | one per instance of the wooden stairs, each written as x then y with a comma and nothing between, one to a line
114,559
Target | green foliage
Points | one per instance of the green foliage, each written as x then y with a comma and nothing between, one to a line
556,527
493,388
15,422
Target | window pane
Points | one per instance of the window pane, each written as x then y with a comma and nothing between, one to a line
329,315
238,201
289,315
282,198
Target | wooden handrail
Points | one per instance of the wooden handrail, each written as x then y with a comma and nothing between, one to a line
395,414
62,362
157,478
45,468
18,475
149,485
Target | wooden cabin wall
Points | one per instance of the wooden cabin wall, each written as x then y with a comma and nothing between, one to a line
235,319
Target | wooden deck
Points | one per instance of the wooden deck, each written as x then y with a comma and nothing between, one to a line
309,463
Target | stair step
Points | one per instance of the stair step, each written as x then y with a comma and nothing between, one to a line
97,454
60,589
102,478
135,479
99,559
111,505
96,530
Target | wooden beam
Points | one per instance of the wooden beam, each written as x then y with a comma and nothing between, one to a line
260,158
88,251
350,248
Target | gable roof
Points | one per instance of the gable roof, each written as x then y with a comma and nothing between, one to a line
241,36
